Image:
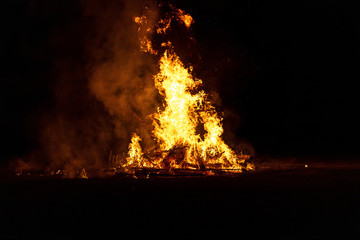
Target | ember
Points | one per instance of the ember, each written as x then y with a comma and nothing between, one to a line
185,108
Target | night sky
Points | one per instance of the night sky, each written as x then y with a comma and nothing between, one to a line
286,71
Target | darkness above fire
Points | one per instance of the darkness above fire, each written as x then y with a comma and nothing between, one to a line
285,72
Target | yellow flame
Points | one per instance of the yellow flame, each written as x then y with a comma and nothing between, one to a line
135,152
176,125
187,128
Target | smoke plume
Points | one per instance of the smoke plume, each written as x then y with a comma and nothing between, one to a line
103,89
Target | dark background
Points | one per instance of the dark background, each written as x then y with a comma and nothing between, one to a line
287,69
286,73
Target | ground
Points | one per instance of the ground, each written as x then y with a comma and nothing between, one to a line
316,202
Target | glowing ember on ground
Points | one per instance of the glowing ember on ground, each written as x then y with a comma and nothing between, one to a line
179,145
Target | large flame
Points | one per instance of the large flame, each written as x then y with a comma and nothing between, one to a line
187,128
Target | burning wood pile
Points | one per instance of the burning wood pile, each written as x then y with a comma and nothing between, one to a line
186,128
179,147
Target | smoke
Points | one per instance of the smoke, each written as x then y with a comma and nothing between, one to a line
121,75
103,88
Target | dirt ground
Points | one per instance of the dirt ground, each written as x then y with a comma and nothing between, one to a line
295,202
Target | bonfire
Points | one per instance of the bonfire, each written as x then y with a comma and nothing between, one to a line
178,144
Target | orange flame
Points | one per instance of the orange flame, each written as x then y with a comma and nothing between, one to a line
179,142
185,18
